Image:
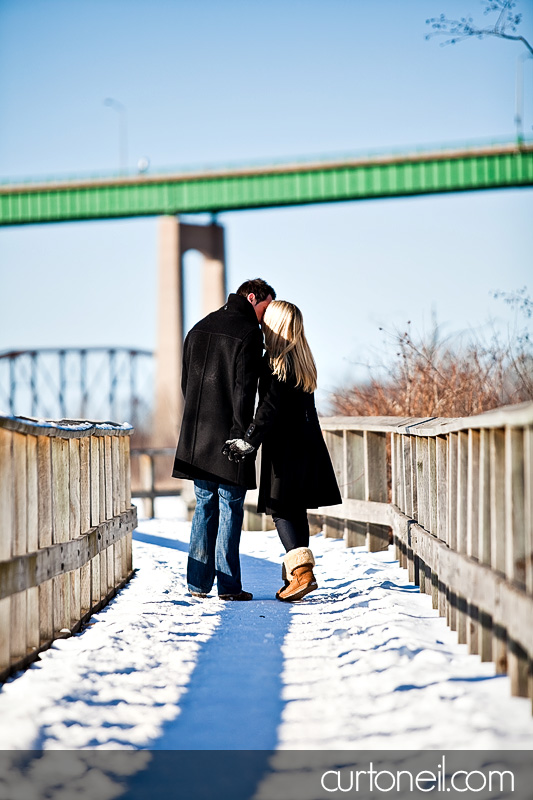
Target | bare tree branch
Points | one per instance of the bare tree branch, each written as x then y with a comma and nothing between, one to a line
464,28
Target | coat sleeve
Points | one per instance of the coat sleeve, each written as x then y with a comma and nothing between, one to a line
271,401
247,367
184,367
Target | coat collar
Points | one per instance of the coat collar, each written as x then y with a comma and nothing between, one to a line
240,305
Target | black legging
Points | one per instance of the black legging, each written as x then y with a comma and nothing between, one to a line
293,529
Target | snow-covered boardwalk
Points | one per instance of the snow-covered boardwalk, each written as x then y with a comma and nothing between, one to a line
363,663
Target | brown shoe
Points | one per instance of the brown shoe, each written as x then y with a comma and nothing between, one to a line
299,565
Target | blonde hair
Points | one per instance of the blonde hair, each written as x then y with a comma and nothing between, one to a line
287,347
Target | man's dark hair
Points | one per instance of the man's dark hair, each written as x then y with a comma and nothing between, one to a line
257,286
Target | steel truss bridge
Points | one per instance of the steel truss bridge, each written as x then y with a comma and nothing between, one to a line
117,383
78,383
470,168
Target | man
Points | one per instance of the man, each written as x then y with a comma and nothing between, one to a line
221,359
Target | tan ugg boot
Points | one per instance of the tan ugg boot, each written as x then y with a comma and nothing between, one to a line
299,565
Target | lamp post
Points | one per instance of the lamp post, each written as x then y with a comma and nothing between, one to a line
519,115
123,131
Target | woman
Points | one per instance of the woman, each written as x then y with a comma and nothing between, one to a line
296,470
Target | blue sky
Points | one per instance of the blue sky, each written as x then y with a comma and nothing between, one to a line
237,81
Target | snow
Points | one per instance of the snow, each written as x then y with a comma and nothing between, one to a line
362,663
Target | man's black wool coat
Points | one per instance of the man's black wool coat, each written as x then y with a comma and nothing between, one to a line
221,362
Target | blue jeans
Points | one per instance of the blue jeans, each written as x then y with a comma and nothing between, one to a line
215,538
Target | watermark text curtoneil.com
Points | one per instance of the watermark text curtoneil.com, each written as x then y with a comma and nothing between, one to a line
383,780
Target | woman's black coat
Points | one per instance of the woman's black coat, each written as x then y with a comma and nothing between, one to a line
221,363
296,469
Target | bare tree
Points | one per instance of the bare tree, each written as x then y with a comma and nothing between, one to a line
505,27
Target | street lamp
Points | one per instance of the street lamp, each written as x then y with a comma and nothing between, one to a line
123,131
519,115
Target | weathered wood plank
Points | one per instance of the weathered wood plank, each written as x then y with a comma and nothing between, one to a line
95,581
46,621
85,484
421,480
116,475
74,488
442,488
334,528
355,534
32,569
61,603
515,524
103,570
497,499
508,605
484,498
146,478
355,466
452,490
5,633
462,490
377,537
75,596
129,555
414,482
375,451
103,480
49,493
397,488
472,495
18,625
122,472
20,507
127,471
405,443
6,495
60,490
32,500
432,486
528,507
44,470
108,450
32,619
95,481
85,588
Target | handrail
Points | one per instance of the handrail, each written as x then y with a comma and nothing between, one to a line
66,522
460,506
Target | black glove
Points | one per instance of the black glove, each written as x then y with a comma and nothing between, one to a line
237,449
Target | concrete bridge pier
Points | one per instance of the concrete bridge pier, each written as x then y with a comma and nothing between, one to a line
175,239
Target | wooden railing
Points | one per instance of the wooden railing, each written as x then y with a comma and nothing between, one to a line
66,521
145,486
460,511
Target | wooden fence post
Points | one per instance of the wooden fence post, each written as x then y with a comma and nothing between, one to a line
32,501
19,600
75,526
85,520
52,535
6,527
44,468
515,541
375,470
146,474
60,530
485,620
497,534
472,531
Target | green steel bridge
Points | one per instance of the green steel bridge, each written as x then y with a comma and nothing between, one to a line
470,168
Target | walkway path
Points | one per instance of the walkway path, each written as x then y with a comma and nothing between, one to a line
363,663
